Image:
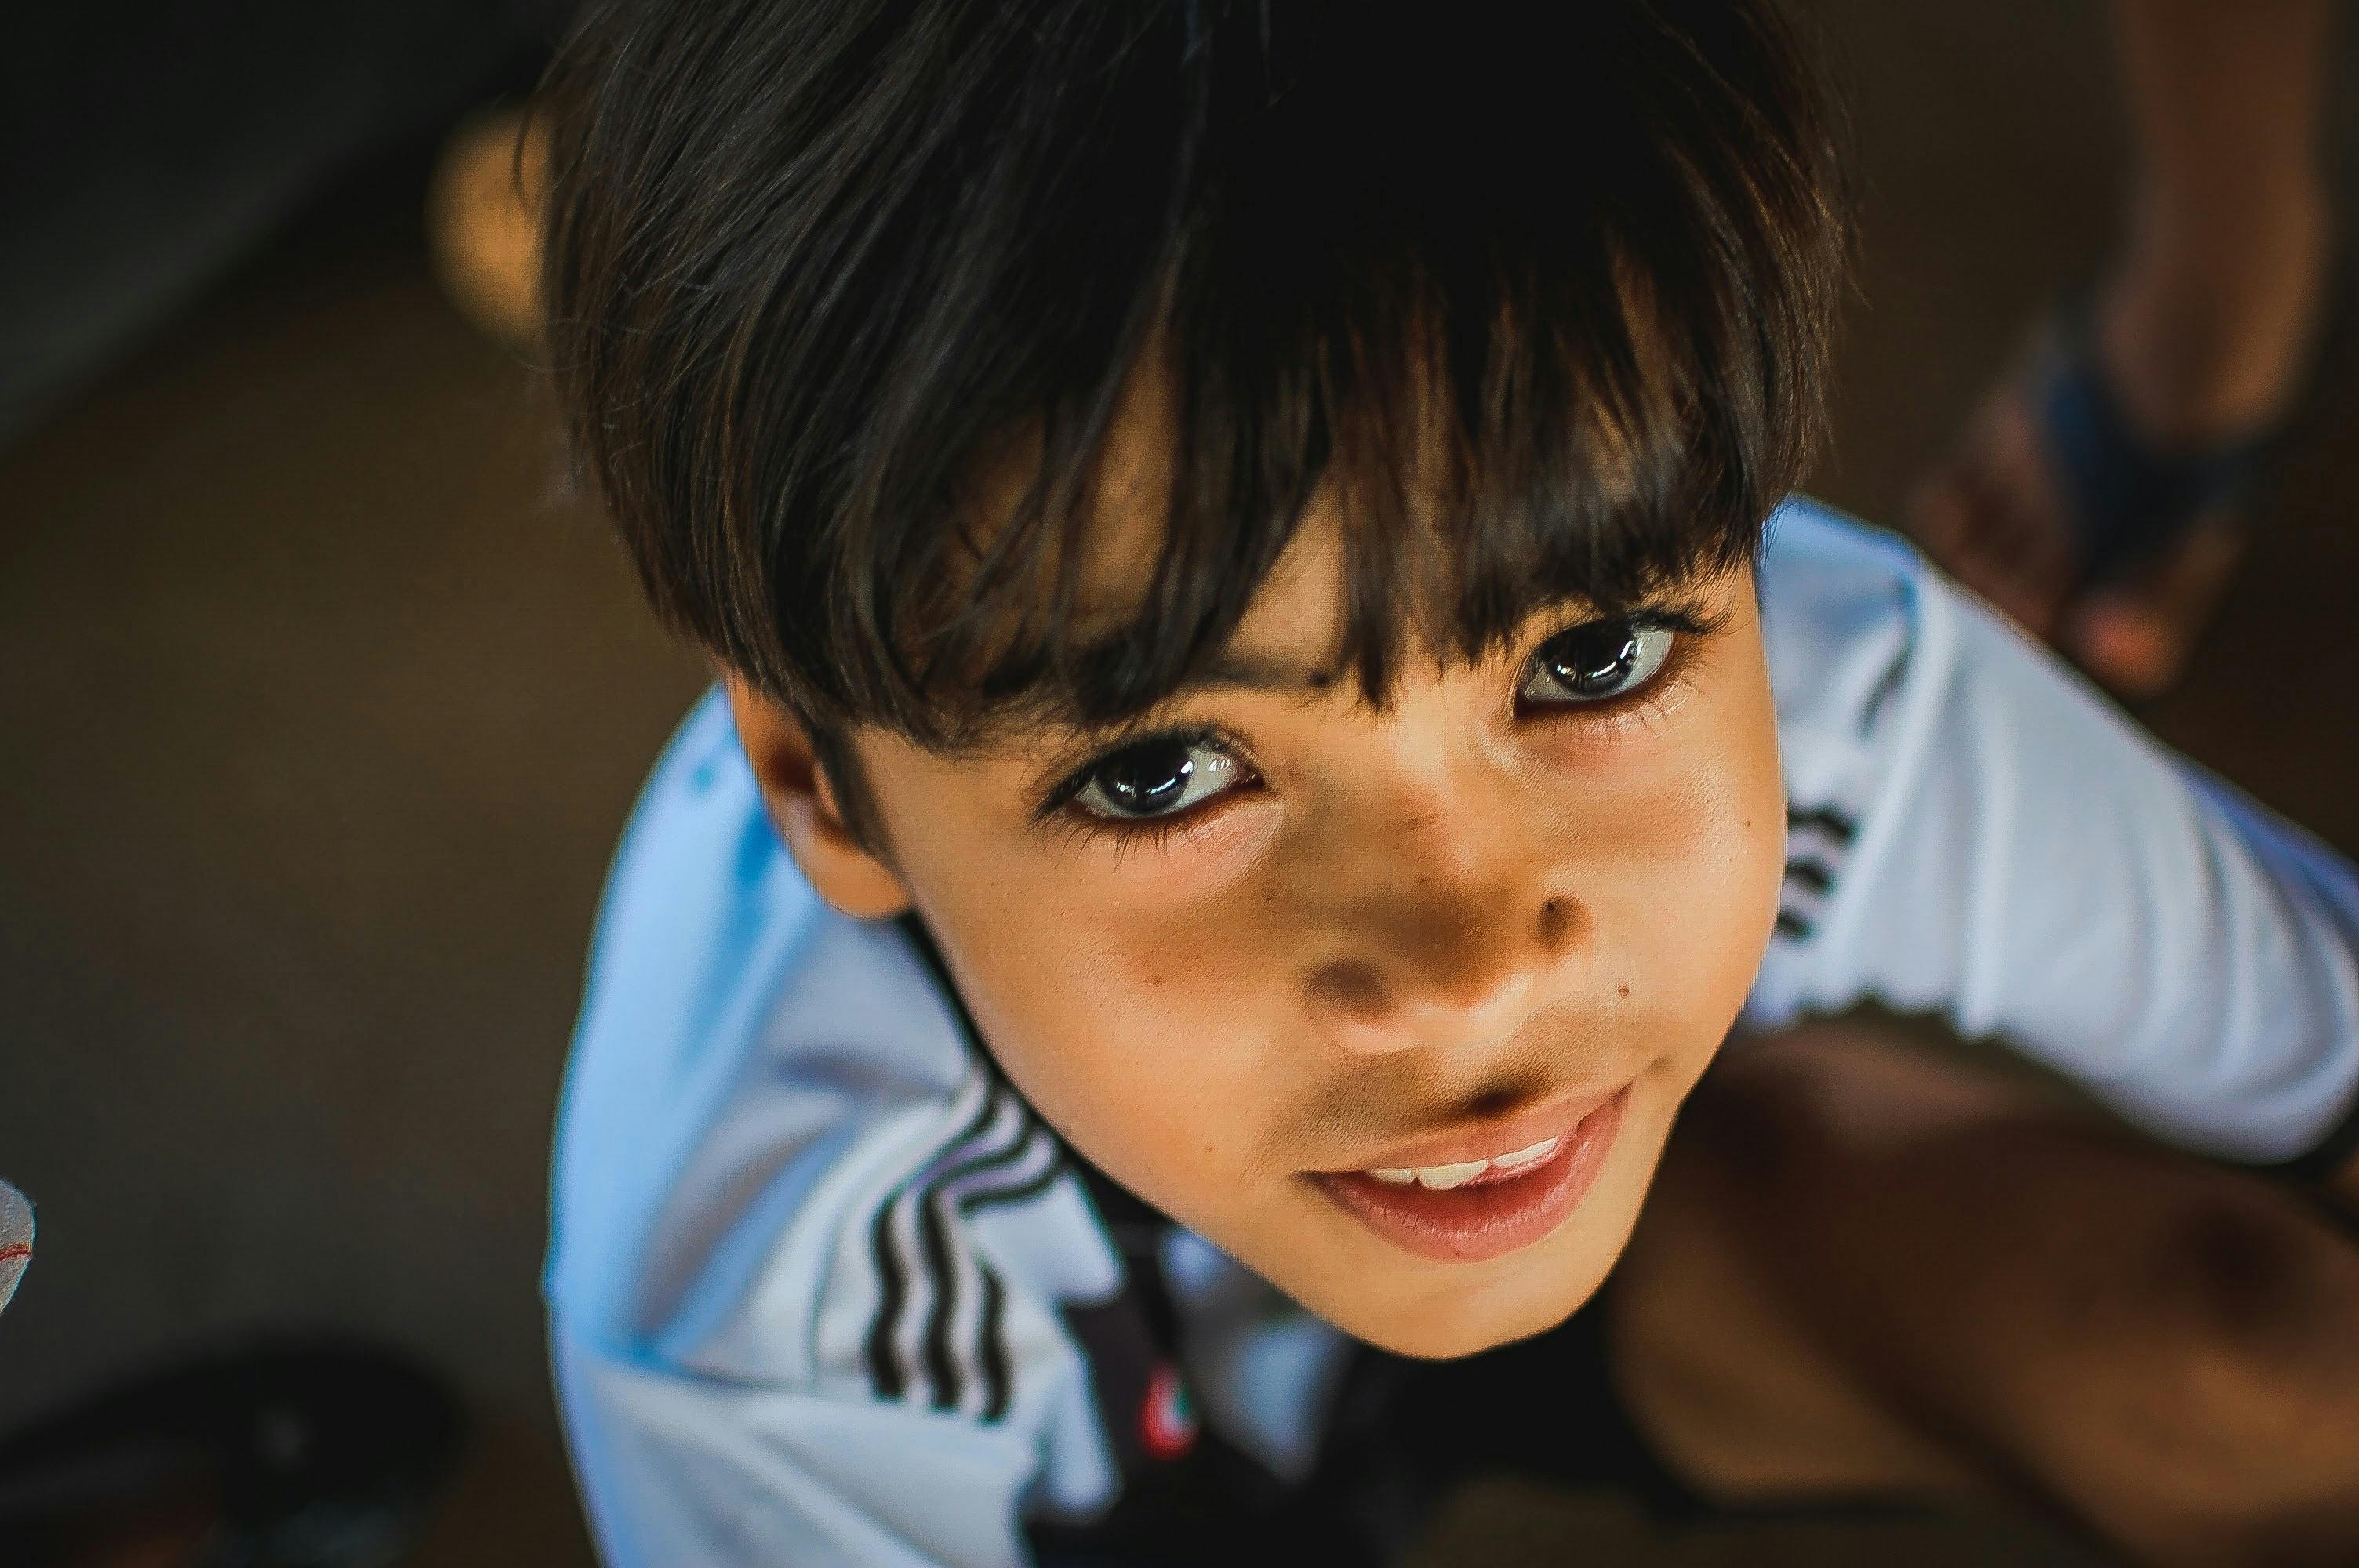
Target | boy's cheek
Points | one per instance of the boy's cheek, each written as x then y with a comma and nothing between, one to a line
1138,1079
1184,1118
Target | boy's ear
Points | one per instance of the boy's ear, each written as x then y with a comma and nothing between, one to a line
803,807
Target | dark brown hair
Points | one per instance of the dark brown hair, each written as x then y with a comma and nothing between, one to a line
815,264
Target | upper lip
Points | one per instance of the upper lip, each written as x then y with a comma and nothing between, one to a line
1473,1140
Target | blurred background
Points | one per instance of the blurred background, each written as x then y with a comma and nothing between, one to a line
321,700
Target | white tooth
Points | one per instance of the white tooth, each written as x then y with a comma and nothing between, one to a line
1397,1177
1440,1178
1523,1157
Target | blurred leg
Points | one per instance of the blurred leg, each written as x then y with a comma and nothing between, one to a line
2204,325
2209,318
2210,324
1864,1270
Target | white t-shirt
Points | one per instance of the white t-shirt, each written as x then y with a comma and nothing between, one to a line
815,1266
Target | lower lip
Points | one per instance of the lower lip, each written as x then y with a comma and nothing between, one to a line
1473,1224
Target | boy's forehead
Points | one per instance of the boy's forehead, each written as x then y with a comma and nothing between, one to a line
1291,635
1292,632
1296,631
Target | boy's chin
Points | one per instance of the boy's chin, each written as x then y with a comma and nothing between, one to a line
1466,1320
1452,1336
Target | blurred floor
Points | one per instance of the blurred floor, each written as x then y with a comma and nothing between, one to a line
323,707
331,710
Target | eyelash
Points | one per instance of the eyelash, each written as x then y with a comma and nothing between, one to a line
1638,704
1155,832
1145,831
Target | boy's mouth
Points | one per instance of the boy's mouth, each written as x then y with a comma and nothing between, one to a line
1467,1199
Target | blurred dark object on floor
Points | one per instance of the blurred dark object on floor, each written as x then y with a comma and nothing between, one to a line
297,1452
15,1239
144,147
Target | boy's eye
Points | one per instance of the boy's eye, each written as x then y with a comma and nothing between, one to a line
1598,661
1157,777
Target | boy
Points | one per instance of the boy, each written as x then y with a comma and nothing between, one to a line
1260,753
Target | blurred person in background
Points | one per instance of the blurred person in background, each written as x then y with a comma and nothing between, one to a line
2101,494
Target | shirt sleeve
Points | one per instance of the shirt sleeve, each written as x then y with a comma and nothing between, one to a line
1973,830
813,1260
886,1378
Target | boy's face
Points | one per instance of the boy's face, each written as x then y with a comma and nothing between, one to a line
1524,905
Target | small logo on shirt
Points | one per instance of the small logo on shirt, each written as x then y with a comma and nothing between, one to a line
1167,1417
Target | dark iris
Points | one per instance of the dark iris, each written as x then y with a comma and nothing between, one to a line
1593,659
1142,780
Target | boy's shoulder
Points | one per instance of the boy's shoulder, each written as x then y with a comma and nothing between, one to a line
777,1150
1845,609
1860,634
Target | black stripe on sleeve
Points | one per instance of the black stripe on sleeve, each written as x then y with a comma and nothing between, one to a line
940,1370
883,1367
1826,818
1816,876
941,1365
1885,684
884,1371
991,1360
1031,1187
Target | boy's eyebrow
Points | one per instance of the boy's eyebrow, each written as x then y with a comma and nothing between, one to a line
1231,669
1274,672
1263,671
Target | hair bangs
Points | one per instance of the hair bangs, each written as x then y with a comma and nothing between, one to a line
974,309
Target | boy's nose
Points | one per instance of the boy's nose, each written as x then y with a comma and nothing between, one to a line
1451,912
1447,972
